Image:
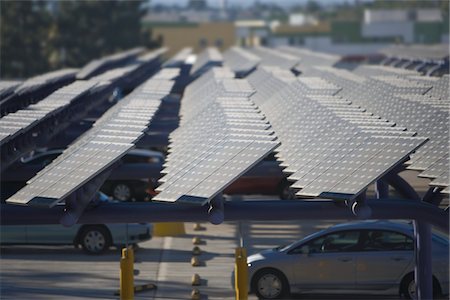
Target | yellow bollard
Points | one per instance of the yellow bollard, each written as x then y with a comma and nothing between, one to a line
241,274
126,274
168,229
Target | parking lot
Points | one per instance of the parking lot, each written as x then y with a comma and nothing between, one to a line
56,272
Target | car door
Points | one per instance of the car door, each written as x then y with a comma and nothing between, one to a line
13,234
327,262
383,259
51,234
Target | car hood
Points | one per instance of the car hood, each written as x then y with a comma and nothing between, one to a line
263,255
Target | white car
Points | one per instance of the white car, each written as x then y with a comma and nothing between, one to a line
353,258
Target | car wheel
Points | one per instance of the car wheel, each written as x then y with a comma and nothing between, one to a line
122,191
408,287
286,192
270,284
95,240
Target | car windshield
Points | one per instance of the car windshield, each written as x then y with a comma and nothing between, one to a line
440,238
283,248
279,248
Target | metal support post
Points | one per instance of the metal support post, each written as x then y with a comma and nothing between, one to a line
422,254
241,274
127,274
381,189
216,213
402,186
433,196
360,208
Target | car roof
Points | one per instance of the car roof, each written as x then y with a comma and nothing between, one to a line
374,224
402,226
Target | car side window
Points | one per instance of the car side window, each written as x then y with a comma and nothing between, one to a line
382,240
342,241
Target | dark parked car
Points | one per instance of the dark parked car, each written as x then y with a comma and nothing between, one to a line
265,178
133,180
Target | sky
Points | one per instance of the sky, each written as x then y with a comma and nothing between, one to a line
286,3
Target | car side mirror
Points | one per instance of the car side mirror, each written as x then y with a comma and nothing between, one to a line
305,250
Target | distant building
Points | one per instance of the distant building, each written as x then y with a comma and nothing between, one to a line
405,25
252,32
176,36
299,19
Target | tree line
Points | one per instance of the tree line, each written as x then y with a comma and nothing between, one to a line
39,36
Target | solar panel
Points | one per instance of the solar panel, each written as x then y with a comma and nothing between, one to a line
7,87
240,61
331,147
414,102
221,136
98,66
14,96
178,59
206,59
111,137
271,57
310,58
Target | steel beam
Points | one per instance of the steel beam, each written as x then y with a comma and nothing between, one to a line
233,211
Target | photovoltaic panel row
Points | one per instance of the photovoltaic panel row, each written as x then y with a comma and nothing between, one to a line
17,95
417,52
112,136
416,102
179,58
7,87
221,136
14,124
274,58
206,59
22,130
240,61
100,65
24,120
330,147
310,58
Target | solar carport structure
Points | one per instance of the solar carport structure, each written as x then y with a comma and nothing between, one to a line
335,132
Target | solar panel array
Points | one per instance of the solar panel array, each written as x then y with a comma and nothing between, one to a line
240,61
100,65
314,58
274,58
334,131
221,136
15,123
418,52
111,137
33,89
7,87
179,58
418,103
20,130
208,58
329,147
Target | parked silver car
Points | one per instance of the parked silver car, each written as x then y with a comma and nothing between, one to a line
353,258
93,238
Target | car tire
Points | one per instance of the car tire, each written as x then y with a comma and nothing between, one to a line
95,239
408,287
122,191
270,284
286,193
